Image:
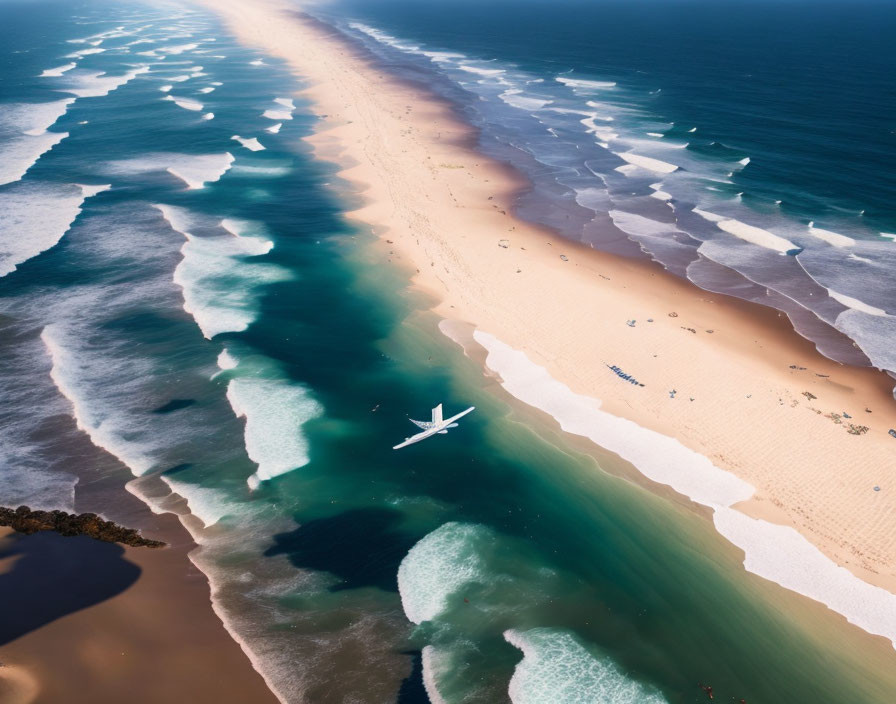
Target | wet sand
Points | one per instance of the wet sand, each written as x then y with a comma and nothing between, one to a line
97,622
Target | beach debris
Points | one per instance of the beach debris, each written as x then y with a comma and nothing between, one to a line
846,415
564,257
650,320
688,329
25,520
622,375
706,688
793,366
672,393
893,432
867,410
630,323
877,488
673,314
504,244
809,395
710,331
853,429
823,376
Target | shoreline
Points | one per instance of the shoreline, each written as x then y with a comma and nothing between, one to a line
130,624
753,398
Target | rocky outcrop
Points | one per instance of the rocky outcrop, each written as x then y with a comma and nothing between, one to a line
24,520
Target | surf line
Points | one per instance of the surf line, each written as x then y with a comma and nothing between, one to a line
777,553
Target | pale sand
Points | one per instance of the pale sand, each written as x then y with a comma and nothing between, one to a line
17,685
441,209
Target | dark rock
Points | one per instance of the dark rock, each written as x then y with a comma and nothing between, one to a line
24,520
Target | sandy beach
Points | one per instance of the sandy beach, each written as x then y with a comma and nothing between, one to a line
98,622
810,436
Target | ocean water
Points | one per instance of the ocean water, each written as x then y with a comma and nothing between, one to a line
745,146
183,308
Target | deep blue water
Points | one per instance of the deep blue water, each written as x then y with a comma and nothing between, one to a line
180,307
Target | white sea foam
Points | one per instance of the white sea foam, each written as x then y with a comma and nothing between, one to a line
20,152
514,97
655,134
833,238
58,71
432,667
649,163
226,360
200,169
165,88
32,119
68,372
274,129
177,49
583,84
757,236
207,89
254,233
604,133
661,458
557,668
84,52
207,504
95,85
34,217
250,143
195,170
209,116
218,280
480,71
855,303
437,566
777,553
706,215
277,114
256,62
780,554
185,103
275,411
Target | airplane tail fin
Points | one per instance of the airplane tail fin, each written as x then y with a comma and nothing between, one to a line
437,414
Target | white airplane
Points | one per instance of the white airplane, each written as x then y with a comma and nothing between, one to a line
433,427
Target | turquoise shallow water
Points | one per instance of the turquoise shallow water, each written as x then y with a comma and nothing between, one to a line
215,327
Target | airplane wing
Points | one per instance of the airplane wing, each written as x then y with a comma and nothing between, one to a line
425,424
414,438
460,415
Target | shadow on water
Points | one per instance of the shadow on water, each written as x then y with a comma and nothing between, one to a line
175,404
412,690
53,576
362,547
